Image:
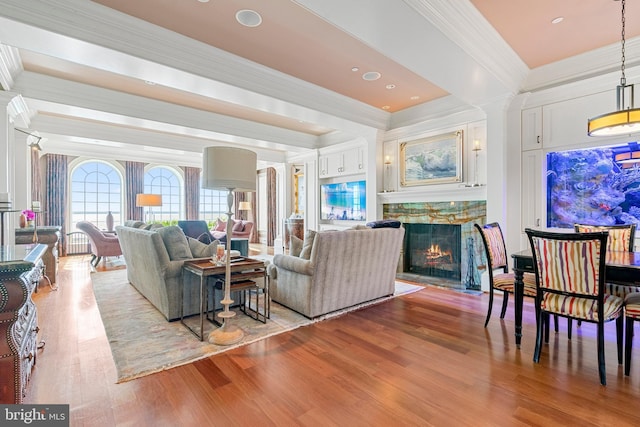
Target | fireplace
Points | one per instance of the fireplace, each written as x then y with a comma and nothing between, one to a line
433,250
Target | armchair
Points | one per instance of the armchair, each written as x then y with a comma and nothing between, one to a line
102,244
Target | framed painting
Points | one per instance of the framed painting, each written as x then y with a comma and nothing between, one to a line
434,160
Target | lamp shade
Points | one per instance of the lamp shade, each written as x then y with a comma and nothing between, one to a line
229,168
148,199
244,206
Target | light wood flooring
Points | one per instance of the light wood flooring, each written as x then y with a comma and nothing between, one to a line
421,359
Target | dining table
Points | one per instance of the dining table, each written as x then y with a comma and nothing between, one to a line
620,266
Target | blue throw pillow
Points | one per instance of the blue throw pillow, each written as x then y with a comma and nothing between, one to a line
384,223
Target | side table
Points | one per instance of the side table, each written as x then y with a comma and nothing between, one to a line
48,235
241,274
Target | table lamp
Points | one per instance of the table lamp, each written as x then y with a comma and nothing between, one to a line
148,200
244,206
231,169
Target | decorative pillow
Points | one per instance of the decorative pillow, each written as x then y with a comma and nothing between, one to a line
384,223
309,237
221,225
202,250
358,227
176,242
295,246
238,226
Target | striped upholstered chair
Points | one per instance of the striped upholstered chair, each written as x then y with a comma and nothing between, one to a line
621,239
496,253
631,313
570,274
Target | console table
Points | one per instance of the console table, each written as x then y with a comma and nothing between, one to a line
48,235
21,269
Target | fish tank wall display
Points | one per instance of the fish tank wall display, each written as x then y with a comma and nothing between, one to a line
599,186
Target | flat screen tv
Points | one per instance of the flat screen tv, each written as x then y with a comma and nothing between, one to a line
343,201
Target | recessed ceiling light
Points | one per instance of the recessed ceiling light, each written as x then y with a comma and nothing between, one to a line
414,97
557,20
391,86
355,69
150,83
203,1
248,18
386,107
371,76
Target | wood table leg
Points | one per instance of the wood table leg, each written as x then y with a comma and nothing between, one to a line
518,296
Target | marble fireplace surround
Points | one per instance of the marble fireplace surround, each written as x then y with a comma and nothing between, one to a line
463,213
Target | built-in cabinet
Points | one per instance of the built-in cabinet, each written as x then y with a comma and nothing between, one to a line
345,162
533,197
532,129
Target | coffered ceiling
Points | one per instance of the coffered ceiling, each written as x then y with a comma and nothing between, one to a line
176,75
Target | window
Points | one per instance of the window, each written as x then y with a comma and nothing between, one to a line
213,204
96,190
164,181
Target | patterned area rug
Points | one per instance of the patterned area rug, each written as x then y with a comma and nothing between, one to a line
143,342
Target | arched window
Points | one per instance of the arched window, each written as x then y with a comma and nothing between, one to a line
213,204
96,190
164,181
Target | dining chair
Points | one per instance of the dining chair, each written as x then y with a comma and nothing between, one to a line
621,238
631,314
496,254
570,282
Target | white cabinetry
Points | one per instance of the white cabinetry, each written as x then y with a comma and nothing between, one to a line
533,200
346,162
532,129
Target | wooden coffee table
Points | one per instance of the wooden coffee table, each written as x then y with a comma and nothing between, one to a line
243,270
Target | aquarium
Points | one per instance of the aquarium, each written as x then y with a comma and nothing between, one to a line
599,186
343,201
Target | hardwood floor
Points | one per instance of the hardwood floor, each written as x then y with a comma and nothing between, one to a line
420,359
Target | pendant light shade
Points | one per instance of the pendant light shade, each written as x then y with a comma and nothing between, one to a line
626,119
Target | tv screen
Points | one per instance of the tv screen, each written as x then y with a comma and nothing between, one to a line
343,201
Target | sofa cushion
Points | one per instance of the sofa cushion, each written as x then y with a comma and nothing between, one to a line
202,250
309,236
295,245
238,226
176,242
220,225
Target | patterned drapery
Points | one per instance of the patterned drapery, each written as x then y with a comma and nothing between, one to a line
56,195
134,179
253,216
36,183
192,192
271,206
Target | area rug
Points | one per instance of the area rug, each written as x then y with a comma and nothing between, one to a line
143,342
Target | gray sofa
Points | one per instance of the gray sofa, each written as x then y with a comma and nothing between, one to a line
344,268
154,261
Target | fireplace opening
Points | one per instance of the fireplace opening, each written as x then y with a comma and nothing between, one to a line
433,250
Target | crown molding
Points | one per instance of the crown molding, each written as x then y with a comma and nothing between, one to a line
468,28
117,33
10,66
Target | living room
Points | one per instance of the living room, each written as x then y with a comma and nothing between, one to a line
292,123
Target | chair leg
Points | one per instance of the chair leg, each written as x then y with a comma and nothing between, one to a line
627,346
555,323
93,258
547,320
539,331
601,363
619,328
486,321
569,327
505,301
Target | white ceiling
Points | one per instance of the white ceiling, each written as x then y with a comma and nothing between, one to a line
288,85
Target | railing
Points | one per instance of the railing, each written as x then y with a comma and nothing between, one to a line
78,243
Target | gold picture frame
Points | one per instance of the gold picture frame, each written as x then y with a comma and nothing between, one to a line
433,160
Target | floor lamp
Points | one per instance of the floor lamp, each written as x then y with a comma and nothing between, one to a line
231,169
148,200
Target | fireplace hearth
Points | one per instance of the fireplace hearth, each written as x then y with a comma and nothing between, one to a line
433,250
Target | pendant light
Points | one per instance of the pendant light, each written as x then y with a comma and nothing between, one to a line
626,119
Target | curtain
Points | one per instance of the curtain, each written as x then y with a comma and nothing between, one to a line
192,192
253,216
134,179
271,206
36,183
56,195
240,196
